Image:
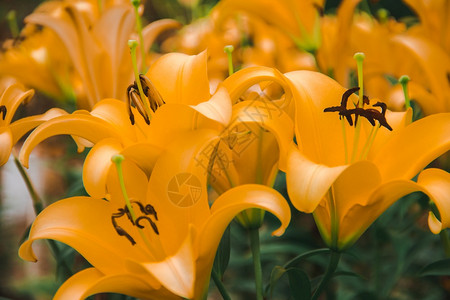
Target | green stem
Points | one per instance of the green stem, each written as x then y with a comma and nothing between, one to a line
332,265
254,244
220,286
37,202
445,242
38,207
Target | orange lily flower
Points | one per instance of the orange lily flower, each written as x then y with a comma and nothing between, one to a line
13,94
167,251
346,196
180,80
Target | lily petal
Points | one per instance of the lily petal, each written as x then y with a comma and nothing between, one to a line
91,281
20,127
234,201
410,150
97,165
6,140
271,118
308,182
181,78
80,125
177,273
436,184
85,224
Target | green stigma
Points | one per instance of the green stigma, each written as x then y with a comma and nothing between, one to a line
403,80
229,51
383,15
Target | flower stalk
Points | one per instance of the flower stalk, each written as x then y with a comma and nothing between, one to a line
332,265
256,253
220,286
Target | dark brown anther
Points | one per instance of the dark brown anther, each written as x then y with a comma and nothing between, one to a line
370,114
134,98
3,111
343,107
138,224
130,112
120,231
149,89
147,210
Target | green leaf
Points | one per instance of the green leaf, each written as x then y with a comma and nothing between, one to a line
276,274
223,254
300,284
438,268
348,273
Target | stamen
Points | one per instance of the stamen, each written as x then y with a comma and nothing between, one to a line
132,44
130,213
403,80
229,50
151,92
12,23
3,111
136,4
134,97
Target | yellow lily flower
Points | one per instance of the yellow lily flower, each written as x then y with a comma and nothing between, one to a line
13,94
96,42
297,19
174,248
346,196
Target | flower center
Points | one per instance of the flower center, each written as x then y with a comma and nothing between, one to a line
135,97
147,211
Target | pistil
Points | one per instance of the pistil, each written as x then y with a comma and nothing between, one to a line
136,4
359,57
132,44
229,51
403,80
155,249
